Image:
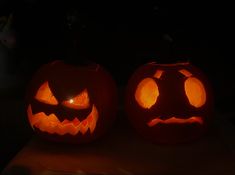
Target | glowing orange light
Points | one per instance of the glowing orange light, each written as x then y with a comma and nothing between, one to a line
147,93
158,74
81,101
175,120
51,124
45,95
195,92
185,73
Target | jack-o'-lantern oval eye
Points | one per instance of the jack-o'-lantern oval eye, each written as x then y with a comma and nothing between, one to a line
81,101
195,91
147,93
45,95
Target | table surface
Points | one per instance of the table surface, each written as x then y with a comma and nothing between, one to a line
123,151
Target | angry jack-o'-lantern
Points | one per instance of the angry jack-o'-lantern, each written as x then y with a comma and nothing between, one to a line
69,103
169,103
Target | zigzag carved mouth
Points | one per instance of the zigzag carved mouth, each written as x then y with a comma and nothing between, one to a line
175,120
51,124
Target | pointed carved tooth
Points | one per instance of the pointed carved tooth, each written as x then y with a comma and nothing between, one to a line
53,118
60,129
37,118
43,125
95,113
78,127
94,117
65,121
70,129
92,125
52,127
76,122
84,122
51,123
90,118
84,127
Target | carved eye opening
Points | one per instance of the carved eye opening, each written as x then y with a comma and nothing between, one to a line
80,101
45,95
195,91
147,93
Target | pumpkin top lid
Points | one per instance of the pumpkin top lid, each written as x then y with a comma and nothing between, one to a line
169,64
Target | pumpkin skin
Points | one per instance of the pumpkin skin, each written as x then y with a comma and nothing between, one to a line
169,103
73,104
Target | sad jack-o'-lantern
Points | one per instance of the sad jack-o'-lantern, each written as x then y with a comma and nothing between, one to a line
169,103
70,103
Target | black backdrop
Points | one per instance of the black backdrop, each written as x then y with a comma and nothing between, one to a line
122,36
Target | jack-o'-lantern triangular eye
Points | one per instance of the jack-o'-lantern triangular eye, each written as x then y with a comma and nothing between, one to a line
45,95
81,101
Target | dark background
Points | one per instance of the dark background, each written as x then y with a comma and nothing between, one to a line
119,36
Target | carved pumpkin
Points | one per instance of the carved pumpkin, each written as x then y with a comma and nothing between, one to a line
169,103
70,103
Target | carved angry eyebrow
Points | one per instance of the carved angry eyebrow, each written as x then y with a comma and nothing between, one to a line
158,74
185,73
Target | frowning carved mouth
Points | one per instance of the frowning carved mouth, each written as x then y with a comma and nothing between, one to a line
175,120
51,124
